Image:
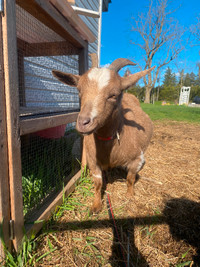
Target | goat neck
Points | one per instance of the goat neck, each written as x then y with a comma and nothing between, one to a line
112,125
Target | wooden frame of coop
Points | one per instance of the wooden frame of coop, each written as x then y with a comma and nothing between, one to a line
56,15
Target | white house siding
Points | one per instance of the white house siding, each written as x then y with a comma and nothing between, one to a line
92,23
41,88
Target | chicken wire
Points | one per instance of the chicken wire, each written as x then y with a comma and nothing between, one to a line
39,91
49,157
47,164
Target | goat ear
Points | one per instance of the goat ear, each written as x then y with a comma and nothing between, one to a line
67,78
132,79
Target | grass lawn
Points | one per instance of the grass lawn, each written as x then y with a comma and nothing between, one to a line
172,112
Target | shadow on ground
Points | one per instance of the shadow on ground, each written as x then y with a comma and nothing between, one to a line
182,216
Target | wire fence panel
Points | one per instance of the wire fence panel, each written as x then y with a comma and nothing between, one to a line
51,156
47,164
40,50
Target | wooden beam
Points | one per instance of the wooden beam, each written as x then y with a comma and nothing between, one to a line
83,67
41,123
67,11
12,112
48,15
45,213
4,182
71,2
86,12
83,60
46,49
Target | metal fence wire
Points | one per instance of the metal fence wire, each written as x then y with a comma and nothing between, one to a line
47,164
39,51
51,156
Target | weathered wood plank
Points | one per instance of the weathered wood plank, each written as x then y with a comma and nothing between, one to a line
40,123
45,213
12,112
83,60
67,11
4,182
83,67
86,12
27,112
71,2
47,14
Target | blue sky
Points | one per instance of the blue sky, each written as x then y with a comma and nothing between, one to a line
116,32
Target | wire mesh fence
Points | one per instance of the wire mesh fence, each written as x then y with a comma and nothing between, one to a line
36,37
49,157
40,50
47,164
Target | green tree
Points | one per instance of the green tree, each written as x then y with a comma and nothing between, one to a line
193,79
138,91
169,78
195,91
187,81
190,79
169,93
170,88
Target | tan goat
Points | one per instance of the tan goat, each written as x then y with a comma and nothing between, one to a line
116,130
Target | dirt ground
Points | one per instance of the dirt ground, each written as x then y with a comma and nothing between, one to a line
159,226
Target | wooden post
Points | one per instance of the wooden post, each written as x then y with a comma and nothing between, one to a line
83,59
83,67
4,184
12,113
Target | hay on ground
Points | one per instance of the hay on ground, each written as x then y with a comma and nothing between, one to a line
162,220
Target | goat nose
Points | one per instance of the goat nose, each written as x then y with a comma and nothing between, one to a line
84,120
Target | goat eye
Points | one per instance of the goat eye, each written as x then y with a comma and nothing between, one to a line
112,97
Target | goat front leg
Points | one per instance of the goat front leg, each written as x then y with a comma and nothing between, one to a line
131,176
97,203
135,167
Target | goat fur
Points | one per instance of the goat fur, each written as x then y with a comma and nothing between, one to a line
116,113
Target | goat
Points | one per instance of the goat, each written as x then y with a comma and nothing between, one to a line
116,130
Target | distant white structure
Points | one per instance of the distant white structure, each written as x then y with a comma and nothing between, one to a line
184,95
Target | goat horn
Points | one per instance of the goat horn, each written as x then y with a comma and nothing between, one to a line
120,63
132,79
94,59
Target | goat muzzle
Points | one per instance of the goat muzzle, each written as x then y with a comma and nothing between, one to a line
84,124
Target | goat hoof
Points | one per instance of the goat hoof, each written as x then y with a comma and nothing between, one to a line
95,209
130,193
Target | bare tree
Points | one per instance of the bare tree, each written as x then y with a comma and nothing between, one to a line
159,38
195,31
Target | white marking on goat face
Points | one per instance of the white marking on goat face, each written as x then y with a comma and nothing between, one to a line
94,111
101,76
142,161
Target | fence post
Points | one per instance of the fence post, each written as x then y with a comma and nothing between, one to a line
12,114
4,183
83,67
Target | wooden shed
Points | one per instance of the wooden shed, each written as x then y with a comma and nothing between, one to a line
36,37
